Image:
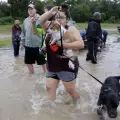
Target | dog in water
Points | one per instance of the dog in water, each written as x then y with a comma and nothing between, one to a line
57,31
109,97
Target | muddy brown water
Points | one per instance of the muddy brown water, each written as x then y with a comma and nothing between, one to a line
23,96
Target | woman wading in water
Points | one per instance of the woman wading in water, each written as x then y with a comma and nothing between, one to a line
58,68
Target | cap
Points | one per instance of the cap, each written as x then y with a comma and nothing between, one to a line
31,6
97,15
17,22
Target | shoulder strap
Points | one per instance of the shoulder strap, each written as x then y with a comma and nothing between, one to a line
44,36
61,38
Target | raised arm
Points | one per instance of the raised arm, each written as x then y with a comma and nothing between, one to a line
34,29
44,17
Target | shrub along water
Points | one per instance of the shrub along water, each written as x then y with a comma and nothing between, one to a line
6,20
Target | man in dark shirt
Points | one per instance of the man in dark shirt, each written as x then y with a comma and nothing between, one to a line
93,34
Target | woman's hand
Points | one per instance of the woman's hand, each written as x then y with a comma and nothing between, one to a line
54,10
46,16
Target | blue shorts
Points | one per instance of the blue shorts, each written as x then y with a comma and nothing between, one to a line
62,75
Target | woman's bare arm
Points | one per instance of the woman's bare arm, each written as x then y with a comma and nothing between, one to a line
75,38
44,17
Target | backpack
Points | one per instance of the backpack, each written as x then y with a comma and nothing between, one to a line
92,30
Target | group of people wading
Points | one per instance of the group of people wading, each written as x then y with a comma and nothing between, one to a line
35,39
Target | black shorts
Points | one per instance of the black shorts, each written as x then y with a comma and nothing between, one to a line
32,55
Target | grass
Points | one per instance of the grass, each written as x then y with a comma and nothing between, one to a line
6,29
111,26
5,43
104,25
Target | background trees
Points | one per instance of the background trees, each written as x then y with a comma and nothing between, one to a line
81,10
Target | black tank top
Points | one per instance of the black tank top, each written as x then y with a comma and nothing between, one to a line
55,62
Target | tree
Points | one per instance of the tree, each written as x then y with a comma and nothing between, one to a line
39,6
18,8
4,9
59,2
81,10
81,13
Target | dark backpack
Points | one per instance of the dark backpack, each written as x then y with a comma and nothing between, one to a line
92,30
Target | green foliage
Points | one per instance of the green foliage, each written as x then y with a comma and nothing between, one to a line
18,8
4,9
103,17
81,10
112,19
39,6
81,13
58,2
6,20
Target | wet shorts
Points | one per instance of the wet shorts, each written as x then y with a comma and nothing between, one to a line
33,55
63,75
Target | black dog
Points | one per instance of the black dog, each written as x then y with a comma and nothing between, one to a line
109,97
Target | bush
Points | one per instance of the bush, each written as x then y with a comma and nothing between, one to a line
6,20
103,17
112,19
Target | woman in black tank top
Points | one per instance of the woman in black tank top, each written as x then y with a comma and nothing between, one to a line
58,68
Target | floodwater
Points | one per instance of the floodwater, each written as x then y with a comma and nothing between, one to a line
23,96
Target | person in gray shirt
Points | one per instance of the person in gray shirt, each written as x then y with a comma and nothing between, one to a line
32,42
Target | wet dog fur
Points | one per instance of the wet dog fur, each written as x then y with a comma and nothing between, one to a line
109,97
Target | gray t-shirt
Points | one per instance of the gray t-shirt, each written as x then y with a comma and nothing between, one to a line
28,38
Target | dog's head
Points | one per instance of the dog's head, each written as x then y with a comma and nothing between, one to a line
54,27
111,100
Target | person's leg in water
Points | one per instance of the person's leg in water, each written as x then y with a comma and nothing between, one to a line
68,79
99,46
104,40
93,53
95,50
30,58
15,48
88,57
18,46
44,68
30,68
71,89
68,82
51,86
